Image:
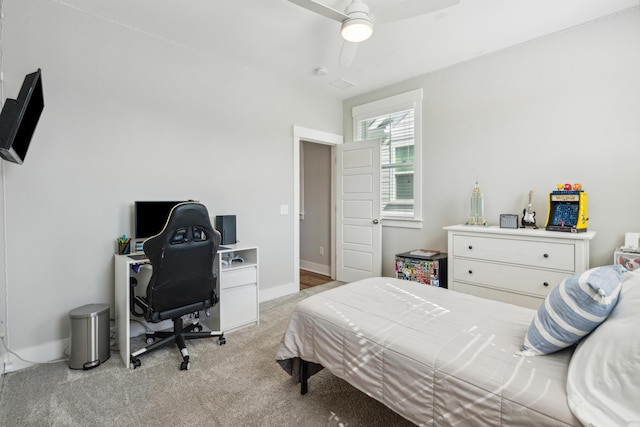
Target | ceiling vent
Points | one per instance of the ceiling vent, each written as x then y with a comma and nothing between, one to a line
342,84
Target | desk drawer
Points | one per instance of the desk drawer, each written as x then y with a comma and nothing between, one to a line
508,277
238,306
238,277
558,256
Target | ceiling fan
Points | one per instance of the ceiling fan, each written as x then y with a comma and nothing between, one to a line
357,21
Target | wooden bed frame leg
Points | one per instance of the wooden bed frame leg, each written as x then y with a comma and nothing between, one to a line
304,376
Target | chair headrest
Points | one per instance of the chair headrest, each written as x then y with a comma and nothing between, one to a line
187,222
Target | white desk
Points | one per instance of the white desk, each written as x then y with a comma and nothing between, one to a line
237,290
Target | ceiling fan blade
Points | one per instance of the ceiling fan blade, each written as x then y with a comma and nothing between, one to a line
321,9
411,8
347,53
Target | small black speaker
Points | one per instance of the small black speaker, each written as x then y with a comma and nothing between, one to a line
226,225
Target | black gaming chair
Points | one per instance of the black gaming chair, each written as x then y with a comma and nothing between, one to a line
183,280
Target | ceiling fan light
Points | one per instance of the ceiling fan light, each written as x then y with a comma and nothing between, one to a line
356,29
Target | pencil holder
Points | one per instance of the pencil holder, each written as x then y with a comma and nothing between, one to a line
124,246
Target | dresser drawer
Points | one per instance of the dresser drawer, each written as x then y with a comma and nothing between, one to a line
498,295
558,256
508,277
238,277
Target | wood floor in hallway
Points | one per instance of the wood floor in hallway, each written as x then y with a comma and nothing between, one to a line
309,279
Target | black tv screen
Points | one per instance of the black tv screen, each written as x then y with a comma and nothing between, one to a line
19,118
150,217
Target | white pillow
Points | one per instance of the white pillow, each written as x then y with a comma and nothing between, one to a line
573,309
603,383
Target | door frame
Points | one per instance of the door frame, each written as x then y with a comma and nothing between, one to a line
301,134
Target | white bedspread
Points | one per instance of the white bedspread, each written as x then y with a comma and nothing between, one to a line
435,356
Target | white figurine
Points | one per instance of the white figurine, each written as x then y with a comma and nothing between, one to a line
476,215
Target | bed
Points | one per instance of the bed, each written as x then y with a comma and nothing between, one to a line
435,356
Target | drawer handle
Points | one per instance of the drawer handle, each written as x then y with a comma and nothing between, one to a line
546,283
470,272
470,247
546,255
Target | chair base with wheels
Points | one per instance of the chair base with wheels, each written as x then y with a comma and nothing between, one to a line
180,333
190,332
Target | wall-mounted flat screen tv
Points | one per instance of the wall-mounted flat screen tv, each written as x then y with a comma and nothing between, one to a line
19,118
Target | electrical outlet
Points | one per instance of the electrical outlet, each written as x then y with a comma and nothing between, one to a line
321,250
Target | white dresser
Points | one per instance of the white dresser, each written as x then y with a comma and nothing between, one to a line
518,266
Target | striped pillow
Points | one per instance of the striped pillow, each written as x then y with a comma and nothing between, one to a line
573,309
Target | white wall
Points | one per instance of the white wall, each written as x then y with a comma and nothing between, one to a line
565,108
131,117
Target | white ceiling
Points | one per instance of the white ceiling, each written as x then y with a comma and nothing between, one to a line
286,42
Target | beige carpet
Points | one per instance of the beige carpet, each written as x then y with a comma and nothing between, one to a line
237,384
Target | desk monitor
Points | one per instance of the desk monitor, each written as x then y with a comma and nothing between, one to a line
150,217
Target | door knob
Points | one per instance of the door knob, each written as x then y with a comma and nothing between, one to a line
375,221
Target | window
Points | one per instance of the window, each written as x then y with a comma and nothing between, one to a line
396,122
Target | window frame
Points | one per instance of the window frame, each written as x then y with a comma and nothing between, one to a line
393,104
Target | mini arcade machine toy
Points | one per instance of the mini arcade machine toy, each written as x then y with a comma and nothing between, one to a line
567,209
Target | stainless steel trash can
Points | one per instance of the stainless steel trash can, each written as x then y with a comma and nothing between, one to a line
90,336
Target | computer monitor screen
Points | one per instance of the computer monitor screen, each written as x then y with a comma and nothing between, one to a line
150,217
566,214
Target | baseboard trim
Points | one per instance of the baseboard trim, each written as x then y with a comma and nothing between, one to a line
278,291
48,352
315,268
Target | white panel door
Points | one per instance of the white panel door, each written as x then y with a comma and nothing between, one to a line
358,227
